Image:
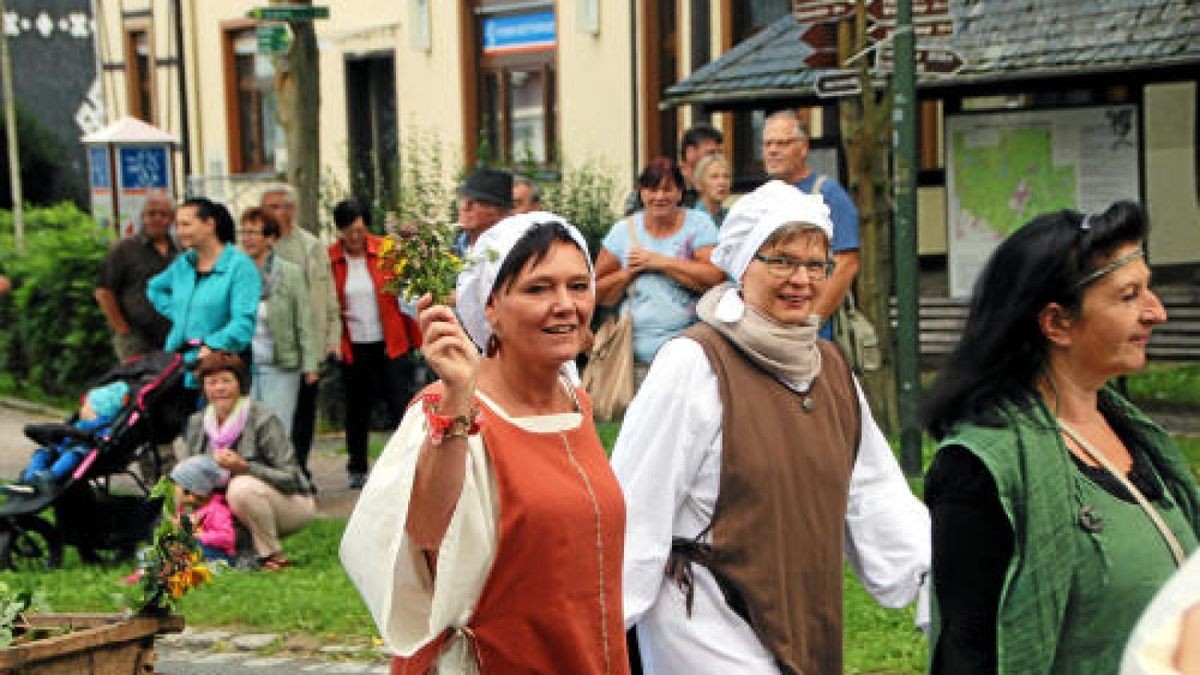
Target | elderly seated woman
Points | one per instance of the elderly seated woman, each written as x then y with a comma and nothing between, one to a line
268,492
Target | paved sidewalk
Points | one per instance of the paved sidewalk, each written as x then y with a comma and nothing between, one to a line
203,651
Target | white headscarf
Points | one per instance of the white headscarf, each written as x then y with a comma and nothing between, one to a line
750,222
475,283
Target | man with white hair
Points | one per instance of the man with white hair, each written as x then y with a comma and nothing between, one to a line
303,248
785,157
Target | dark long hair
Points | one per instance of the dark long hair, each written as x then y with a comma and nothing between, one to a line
1002,350
207,209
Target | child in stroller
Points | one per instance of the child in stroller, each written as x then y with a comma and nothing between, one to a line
53,464
199,483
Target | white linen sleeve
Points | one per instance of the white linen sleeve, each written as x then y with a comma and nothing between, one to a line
410,608
668,430
1157,635
887,527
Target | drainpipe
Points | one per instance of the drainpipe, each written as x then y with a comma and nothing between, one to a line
633,72
181,73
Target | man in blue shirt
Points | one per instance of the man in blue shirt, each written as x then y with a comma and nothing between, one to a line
785,157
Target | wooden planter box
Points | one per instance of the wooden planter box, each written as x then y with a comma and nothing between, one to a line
98,644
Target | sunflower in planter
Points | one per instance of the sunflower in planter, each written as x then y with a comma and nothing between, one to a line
172,564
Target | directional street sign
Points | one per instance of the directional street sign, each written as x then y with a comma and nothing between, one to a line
289,12
273,38
835,85
943,61
924,28
937,60
886,9
816,11
822,38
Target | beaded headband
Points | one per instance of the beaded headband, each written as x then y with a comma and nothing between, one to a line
1097,273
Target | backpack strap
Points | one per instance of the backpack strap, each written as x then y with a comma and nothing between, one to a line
817,184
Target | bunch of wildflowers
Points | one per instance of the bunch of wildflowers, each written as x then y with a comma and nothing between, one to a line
172,564
419,258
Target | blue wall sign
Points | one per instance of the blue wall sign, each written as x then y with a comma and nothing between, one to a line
518,33
144,167
98,168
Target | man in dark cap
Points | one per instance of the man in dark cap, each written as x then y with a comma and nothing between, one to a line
486,198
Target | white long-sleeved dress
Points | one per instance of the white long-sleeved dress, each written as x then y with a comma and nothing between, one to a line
668,462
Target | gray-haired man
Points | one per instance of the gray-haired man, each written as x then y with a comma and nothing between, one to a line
303,248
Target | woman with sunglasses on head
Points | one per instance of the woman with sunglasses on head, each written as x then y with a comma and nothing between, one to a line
751,467
1058,508
488,538
209,293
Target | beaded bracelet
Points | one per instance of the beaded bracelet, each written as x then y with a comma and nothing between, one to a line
442,426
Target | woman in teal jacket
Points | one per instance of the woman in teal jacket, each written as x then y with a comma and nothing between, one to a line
1058,508
210,293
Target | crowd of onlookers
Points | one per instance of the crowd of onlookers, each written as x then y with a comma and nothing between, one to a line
272,305
748,470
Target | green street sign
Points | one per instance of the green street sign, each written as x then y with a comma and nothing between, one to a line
289,13
273,38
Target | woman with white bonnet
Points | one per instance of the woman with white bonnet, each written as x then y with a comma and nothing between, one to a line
489,536
751,465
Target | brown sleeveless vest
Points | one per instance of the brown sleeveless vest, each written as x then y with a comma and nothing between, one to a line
779,521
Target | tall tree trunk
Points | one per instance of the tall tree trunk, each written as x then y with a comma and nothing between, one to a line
298,94
865,129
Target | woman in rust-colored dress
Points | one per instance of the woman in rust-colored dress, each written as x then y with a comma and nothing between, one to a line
489,537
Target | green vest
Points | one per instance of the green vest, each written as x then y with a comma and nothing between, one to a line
1056,562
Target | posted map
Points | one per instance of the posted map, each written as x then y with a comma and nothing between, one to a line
1006,184
1002,169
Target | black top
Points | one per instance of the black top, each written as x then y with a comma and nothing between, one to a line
131,263
973,543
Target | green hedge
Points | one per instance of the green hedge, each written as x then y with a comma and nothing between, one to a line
53,337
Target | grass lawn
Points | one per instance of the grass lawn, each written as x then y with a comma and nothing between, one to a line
316,598
1165,384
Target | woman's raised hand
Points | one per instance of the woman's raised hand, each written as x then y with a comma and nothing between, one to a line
450,352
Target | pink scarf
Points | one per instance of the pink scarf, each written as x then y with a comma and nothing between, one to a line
223,436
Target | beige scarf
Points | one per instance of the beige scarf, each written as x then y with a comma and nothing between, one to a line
789,353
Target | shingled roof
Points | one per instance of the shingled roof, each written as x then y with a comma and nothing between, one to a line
997,40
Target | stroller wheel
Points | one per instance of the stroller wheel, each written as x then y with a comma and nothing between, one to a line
31,543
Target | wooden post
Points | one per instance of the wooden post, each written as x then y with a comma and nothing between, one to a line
298,92
865,131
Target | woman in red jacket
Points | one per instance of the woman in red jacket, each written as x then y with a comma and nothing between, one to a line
376,335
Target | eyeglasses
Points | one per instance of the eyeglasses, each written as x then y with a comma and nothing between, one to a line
784,267
770,143
249,232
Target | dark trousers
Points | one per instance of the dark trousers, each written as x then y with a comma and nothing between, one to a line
370,377
304,422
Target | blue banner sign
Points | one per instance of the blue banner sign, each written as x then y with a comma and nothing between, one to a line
518,33
144,167
98,164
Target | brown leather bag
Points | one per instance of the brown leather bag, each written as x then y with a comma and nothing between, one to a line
608,377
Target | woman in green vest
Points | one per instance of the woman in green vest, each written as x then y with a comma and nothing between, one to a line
1058,508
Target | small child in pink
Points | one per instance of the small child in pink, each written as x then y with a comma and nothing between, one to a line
199,484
